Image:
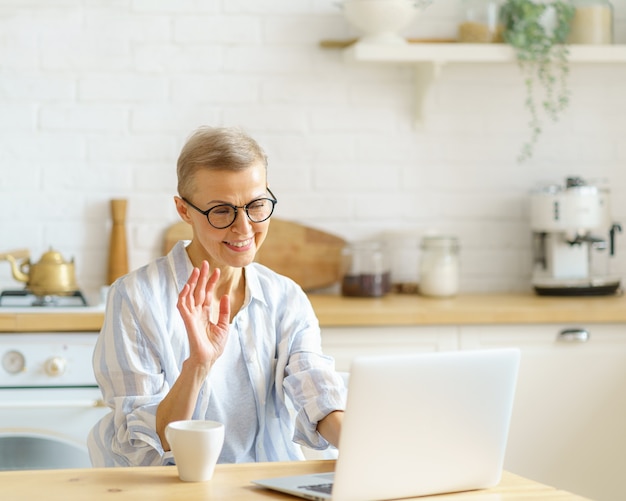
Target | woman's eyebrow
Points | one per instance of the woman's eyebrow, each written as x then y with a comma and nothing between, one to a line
263,195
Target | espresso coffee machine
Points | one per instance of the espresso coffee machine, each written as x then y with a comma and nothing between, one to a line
573,240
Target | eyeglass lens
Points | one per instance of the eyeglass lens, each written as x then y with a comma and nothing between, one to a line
258,211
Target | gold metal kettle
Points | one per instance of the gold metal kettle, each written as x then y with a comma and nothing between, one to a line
51,276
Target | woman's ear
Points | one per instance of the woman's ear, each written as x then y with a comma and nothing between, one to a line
183,209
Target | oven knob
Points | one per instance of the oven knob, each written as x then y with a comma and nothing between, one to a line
13,362
55,366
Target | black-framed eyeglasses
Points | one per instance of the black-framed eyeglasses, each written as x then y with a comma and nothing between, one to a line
223,215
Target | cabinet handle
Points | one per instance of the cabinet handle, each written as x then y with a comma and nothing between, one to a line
575,335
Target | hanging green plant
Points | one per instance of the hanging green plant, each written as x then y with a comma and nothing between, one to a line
538,30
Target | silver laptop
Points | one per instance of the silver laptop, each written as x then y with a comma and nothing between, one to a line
418,424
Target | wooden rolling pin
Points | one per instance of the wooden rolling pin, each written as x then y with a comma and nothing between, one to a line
118,251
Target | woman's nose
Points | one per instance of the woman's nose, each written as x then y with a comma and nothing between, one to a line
241,223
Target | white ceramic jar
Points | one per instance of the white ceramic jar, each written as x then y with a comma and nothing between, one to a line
439,266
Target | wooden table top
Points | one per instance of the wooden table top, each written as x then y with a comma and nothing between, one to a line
230,482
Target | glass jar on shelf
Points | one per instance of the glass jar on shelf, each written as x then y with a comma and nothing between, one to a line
365,270
592,23
481,22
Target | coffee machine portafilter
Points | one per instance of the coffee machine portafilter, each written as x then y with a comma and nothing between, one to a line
573,240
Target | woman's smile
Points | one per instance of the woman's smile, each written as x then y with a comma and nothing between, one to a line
240,245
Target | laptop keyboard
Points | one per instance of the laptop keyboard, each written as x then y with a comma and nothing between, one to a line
323,488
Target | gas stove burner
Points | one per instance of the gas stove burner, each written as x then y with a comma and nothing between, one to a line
26,298
46,301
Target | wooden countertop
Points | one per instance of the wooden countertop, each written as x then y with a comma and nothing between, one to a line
51,320
398,309
230,482
394,309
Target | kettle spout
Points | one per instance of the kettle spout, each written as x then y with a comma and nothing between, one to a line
17,269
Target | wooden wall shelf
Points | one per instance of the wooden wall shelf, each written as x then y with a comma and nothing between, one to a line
430,58
442,53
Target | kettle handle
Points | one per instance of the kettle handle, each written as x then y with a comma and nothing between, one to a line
25,267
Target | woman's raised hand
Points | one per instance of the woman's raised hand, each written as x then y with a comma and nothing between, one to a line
206,338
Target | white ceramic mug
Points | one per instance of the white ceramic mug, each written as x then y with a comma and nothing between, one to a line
196,446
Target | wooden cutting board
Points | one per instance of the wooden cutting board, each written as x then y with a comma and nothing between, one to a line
309,256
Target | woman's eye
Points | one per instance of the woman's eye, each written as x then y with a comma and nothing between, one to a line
222,210
256,204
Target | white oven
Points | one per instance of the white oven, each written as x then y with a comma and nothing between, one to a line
49,399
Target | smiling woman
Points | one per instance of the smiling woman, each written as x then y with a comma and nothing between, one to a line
206,333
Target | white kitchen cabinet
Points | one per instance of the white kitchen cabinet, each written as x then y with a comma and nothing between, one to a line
344,343
569,422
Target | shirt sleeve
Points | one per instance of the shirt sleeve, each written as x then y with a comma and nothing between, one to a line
130,376
311,382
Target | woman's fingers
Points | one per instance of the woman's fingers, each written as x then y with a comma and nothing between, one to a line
200,291
200,286
182,296
185,297
223,320
207,339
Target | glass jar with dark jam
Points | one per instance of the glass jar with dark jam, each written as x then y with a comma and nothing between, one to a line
365,270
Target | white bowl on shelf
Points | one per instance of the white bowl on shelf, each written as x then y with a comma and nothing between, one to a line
380,21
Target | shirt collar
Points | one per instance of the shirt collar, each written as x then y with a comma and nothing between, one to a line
254,290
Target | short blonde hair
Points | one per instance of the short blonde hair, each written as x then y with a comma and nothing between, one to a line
216,148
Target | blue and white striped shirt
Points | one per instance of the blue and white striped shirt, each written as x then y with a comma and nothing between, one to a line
143,343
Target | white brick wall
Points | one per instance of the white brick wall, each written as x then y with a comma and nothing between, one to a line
97,97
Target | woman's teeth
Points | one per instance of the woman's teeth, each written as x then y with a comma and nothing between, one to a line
244,243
